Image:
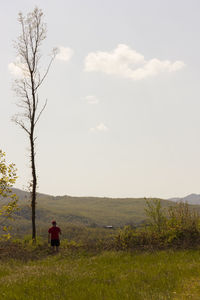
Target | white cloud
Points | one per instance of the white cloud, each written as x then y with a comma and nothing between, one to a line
91,99
14,69
100,127
17,69
128,63
64,53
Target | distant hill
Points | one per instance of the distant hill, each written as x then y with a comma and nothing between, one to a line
193,199
88,211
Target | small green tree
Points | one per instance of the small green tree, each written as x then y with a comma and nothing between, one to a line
154,211
8,200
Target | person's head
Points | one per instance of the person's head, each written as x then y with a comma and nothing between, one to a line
54,223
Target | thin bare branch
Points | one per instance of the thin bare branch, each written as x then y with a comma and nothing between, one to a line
39,115
21,124
45,74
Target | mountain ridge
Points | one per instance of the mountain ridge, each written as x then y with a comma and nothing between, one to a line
193,199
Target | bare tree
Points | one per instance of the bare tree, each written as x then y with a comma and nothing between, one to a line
28,47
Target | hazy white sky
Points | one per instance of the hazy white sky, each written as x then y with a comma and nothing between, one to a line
123,98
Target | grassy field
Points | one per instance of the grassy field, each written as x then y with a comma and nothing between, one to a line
95,263
105,275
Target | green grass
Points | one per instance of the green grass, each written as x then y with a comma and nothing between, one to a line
108,275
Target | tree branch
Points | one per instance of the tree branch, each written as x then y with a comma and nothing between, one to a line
38,117
21,124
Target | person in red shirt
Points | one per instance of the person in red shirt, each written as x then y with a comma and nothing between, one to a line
54,236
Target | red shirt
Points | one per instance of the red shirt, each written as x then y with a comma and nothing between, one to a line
54,231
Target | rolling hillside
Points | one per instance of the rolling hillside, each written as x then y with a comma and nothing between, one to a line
78,212
90,211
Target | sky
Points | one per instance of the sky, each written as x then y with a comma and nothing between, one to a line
122,118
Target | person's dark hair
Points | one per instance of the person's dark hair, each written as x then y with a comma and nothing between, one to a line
53,222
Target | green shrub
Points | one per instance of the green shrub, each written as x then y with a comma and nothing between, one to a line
156,215
176,227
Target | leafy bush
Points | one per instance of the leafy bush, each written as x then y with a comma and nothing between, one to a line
8,200
179,226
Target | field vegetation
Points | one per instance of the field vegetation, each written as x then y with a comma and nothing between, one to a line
158,259
33,272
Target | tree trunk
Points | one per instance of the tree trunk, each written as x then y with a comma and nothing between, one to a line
34,187
32,140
